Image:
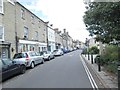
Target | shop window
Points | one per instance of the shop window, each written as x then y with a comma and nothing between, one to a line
1,6
4,53
1,33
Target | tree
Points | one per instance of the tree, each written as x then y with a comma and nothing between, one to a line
103,20
94,50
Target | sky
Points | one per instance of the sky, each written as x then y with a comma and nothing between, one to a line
63,14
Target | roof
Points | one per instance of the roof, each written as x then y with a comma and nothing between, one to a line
30,11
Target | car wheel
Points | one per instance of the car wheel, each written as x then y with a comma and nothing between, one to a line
53,57
43,61
32,65
48,58
23,69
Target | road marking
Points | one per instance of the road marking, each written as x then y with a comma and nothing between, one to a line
92,81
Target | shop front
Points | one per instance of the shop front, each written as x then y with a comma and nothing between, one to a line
52,46
4,50
25,45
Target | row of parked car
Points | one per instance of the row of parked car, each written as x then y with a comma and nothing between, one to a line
23,60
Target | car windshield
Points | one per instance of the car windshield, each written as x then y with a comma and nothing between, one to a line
1,64
45,52
7,61
19,55
41,53
32,54
48,52
55,50
37,53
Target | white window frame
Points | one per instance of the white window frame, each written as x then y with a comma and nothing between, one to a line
39,24
2,34
27,30
1,7
32,19
36,35
22,13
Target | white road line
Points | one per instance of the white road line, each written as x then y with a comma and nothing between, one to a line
92,81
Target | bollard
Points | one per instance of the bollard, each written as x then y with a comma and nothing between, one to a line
91,58
118,77
94,60
99,67
88,56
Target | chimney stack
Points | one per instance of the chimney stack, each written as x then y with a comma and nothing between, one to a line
64,30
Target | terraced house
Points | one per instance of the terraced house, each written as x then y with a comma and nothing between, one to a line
20,30
30,30
7,28
58,39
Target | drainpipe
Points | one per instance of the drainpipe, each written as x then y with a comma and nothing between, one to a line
46,23
16,37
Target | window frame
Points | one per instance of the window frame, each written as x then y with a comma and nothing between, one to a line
36,35
26,32
1,6
39,24
22,13
32,19
2,33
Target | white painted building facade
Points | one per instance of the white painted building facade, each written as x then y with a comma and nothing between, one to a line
51,39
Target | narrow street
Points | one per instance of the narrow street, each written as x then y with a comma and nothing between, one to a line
66,71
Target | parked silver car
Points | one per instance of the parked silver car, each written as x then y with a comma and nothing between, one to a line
58,52
47,55
30,59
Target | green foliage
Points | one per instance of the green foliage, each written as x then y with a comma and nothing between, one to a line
84,51
111,53
111,68
102,19
94,50
109,58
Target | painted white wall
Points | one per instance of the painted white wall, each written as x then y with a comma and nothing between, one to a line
51,35
51,38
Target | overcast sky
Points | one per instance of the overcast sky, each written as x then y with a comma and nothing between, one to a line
62,14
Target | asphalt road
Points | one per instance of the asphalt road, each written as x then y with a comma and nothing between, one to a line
66,71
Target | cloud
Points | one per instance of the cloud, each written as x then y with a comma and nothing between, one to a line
62,14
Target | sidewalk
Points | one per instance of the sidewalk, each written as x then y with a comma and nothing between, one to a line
107,80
